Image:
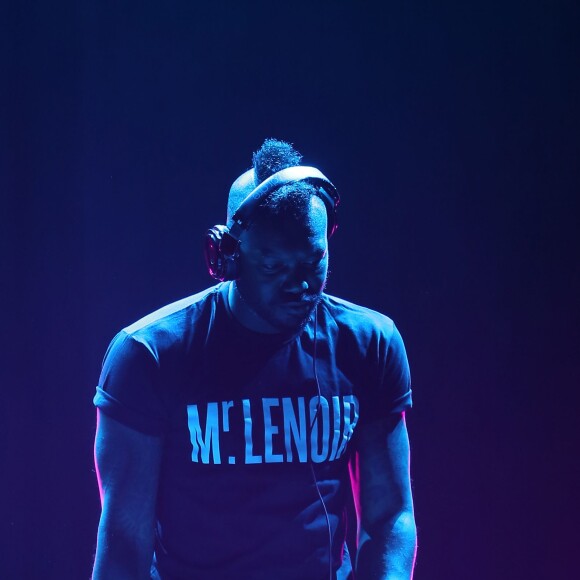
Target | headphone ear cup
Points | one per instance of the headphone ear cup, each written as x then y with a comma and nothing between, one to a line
221,253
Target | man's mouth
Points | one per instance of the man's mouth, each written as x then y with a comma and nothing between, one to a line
299,307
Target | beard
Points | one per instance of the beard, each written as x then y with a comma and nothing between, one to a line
283,312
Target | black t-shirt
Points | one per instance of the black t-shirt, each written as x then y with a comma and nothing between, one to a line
246,419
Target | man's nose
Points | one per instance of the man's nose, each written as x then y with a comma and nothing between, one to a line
296,286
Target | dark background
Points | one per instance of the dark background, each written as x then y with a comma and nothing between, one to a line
451,130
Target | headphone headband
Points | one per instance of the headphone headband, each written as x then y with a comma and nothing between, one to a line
221,248
325,190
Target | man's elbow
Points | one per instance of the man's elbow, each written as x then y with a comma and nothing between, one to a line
387,547
399,523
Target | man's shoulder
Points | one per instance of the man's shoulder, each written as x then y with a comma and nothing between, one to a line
360,319
175,318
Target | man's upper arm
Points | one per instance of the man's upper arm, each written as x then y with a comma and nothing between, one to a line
387,535
381,471
128,464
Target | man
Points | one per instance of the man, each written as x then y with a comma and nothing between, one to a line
234,426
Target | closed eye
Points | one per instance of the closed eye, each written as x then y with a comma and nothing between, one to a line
317,263
271,267
314,265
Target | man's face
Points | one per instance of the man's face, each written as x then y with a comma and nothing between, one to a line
283,269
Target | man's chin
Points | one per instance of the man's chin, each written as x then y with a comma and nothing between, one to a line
292,319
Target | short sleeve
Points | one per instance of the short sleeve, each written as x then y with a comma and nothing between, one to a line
397,375
389,387
128,386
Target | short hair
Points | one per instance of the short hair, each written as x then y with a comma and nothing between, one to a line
273,156
289,201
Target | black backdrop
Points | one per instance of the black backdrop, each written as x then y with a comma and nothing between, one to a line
451,132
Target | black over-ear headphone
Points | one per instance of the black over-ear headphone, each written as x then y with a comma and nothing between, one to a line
222,243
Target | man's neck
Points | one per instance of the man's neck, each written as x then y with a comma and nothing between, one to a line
245,314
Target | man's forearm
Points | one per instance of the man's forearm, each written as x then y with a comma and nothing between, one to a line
387,552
